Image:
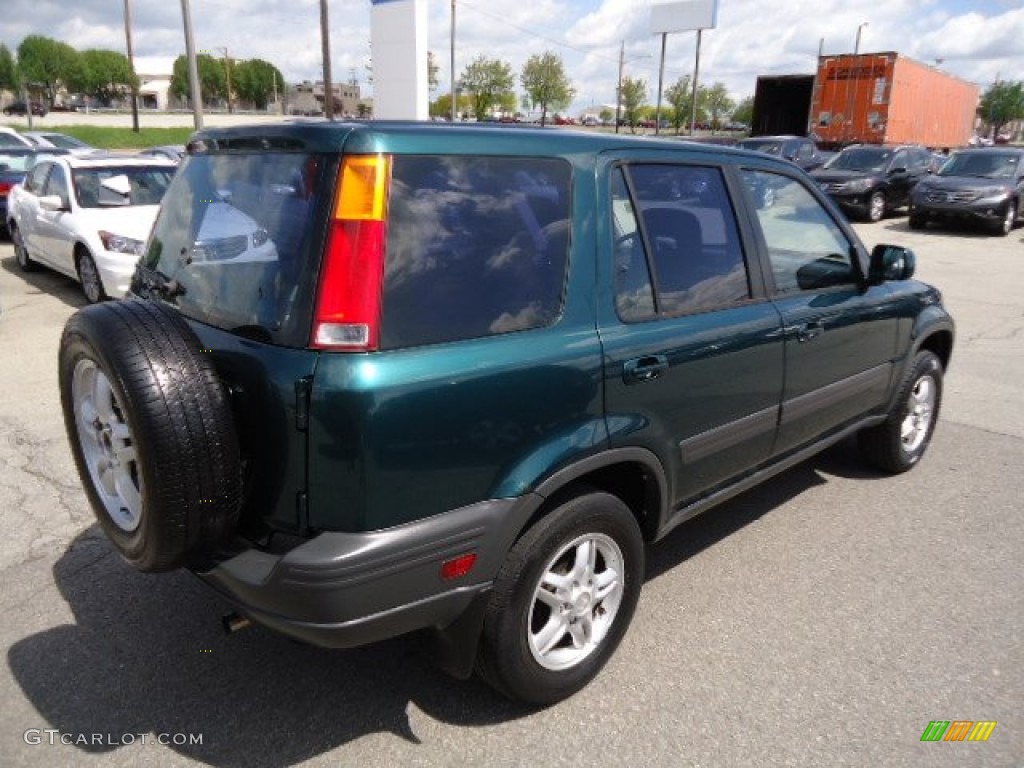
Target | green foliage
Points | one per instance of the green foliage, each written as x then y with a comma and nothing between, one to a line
254,81
717,103
442,107
212,78
486,81
48,65
546,84
1002,103
633,96
104,75
679,97
744,112
8,70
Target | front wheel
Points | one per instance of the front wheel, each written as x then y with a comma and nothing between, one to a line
1004,226
898,444
876,207
89,277
563,600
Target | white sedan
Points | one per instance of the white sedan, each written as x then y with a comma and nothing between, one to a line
88,217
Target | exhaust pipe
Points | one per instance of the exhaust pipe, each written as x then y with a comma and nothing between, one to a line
233,622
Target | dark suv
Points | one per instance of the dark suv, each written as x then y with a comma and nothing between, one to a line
797,149
385,377
984,186
868,181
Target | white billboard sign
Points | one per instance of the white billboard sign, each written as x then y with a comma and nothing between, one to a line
683,16
398,44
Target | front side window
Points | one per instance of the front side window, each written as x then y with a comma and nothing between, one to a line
57,184
807,249
677,221
476,246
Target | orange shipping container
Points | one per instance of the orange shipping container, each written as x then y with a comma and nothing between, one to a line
877,98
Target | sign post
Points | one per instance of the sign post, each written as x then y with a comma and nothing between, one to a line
682,16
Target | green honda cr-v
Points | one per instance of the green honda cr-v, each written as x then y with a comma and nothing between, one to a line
385,377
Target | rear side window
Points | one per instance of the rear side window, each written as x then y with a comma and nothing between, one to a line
476,247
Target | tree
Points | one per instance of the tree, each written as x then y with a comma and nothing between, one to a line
8,70
718,104
212,78
486,81
47,64
1002,103
255,81
744,112
104,75
633,96
442,107
679,96
546,84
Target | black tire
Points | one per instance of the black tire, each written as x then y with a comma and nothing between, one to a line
164,440
899,443
917,221
876,207
1008,217
89,277
506,659
25,262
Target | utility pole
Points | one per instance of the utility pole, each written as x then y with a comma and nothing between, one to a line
618,88
325,42
227,70
131,64
193,67
454,90
696,75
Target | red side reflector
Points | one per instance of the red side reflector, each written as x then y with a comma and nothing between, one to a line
458,567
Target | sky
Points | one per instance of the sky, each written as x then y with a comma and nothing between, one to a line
977,40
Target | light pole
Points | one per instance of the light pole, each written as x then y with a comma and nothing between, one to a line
618,89
227,71
856,45
854,69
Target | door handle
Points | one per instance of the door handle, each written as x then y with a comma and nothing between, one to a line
809,331
643,369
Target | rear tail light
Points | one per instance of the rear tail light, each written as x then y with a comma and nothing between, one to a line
347,315
5,188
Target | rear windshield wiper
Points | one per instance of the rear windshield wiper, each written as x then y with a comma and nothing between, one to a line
149,282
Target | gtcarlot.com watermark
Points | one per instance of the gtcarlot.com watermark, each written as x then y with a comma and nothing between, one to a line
52,736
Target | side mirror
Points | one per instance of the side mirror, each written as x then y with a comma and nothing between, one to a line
897,169
53,203
891,262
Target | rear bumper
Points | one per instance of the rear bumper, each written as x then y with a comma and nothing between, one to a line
341,590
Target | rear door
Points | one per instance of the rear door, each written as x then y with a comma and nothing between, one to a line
693,351
26,210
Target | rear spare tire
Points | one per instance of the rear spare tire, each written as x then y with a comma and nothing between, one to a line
151,432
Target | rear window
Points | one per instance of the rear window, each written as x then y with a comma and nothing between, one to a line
234,238
476,246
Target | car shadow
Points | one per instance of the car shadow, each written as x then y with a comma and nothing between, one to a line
44,280
964,231
146,655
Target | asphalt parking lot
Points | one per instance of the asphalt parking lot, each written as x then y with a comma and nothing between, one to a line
823,619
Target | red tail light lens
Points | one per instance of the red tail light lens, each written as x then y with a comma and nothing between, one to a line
5,187
347,313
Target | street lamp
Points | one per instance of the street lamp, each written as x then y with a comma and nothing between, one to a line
856,45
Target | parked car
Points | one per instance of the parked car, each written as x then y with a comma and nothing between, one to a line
62,140
984,186
11,138
403,376
172,152
21,108
797,149
87,216
15,162
868,181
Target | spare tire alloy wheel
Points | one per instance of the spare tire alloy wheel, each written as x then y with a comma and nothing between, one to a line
151,431
107,447
563,600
